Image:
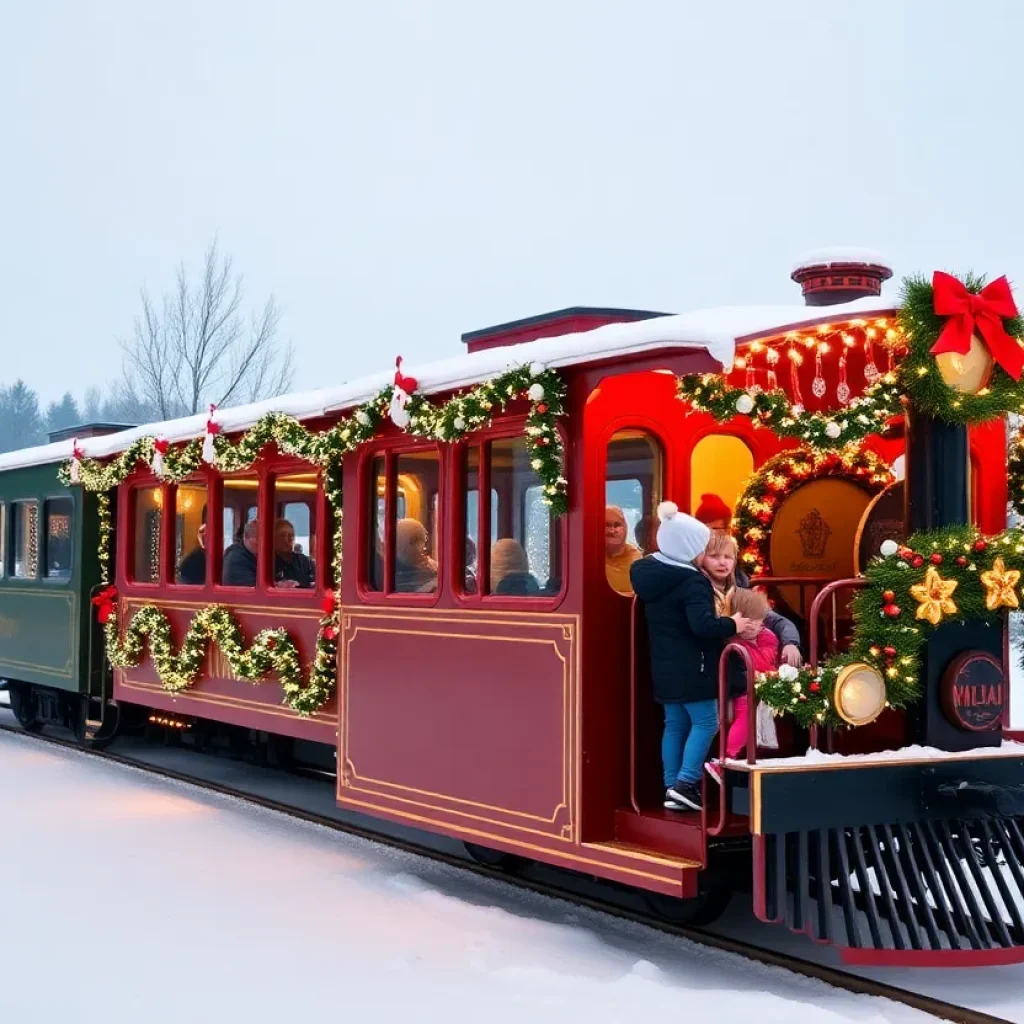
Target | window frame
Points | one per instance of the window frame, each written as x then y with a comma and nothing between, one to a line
57,581
126,545
392,449
9,552
514,428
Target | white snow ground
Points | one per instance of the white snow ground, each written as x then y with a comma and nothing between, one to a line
132,899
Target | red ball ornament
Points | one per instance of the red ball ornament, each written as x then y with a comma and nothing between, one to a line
906,554
890,652
542,407
918,561
814,687
892,610
936,558
764,517
543,441
980,545
888,596
961,560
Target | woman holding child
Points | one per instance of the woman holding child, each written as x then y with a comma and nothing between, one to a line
690,617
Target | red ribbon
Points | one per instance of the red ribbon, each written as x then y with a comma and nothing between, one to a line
983,313
105,602
328,605
212,426
406,384
161,444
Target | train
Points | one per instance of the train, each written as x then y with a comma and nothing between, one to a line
406,579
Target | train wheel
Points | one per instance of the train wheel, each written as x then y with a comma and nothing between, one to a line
21,705
493,858
89,739
704,908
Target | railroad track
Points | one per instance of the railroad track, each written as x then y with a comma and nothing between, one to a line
843,980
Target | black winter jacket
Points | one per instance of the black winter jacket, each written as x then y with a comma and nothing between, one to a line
686,636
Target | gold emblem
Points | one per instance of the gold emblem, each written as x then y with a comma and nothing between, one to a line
814,533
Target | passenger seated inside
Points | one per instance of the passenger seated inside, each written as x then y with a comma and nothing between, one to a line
719,564
240,559
192,568
510,570
415,570
619,554
646,534
713,512
291,567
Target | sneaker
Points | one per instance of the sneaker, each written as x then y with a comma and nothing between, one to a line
687,794
671,804
714,769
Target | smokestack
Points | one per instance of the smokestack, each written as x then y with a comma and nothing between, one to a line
842,274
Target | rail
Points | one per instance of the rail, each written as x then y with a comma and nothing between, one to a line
723,729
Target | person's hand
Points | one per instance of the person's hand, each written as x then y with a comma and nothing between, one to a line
746,628
201,536
791,656
287,584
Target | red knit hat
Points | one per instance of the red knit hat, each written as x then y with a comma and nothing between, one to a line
712,508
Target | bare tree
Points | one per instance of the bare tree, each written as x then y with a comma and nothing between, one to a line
199,347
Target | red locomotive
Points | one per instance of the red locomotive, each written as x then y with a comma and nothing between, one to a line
492,681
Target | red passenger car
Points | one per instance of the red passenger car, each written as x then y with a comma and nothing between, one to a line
491,682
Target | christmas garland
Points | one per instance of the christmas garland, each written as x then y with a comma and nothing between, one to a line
468,411
778,477
865,415
951,575
271,650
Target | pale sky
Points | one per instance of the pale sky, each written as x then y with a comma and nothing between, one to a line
398,172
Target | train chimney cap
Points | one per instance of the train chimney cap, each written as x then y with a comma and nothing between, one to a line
840,274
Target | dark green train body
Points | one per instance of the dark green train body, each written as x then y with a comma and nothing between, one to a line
49,536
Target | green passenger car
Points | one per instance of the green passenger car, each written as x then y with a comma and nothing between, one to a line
48,569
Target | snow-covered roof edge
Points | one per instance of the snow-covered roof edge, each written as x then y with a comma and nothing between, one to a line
829,255
717,331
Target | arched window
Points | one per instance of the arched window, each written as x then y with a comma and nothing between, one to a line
633,488
719,464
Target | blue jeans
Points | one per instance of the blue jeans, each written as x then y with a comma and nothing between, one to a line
689,730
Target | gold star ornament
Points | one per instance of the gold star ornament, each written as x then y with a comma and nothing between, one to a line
934,597
999,583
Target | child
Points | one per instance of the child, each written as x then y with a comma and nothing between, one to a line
764,652
686,639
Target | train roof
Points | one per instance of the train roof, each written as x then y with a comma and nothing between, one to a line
718,331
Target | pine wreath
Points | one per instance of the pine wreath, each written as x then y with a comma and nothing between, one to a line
779,477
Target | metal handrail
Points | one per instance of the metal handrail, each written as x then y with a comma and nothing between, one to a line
632,705
856,583
723,704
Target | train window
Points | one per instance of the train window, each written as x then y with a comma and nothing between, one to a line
295,528
471,519
240,505
719,464
378,497
633,488
416,526
147,510
24,562
525,548
57,512
190,504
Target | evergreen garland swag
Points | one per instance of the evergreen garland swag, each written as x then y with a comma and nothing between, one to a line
274,650
889,629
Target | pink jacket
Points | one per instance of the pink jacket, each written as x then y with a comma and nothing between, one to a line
764,651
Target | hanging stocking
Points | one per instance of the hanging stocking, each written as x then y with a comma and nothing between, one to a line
752,387
212,430
818,385
795,359
76,462
773,359
871,373
843,388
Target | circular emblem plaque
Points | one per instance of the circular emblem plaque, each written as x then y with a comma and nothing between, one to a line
974,691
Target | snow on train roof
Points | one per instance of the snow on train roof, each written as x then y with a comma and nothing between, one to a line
717,331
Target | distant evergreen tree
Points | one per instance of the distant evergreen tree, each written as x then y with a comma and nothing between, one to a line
21,423
63,414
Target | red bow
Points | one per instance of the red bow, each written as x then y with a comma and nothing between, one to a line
161,444
212,426
983,313
329,604
406,384
105,601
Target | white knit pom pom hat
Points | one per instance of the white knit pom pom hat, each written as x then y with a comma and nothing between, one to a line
681,538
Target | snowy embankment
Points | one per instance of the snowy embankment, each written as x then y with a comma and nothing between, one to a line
216,910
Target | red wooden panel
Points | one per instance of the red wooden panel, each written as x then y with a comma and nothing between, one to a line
469,715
